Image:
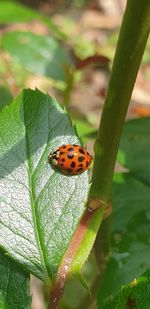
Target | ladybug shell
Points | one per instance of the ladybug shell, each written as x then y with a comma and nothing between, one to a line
71,159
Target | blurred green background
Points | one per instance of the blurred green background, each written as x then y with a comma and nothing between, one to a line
66,48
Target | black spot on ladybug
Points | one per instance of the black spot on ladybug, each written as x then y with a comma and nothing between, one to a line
70,156
63,160
87,163
80,159
70,149
80,165
88,154
79,169
61,153
81,151
73,164
63,146
69,170
61,164
55,157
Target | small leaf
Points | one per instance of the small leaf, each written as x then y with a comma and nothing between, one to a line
39,54
40,207
14,285
134,295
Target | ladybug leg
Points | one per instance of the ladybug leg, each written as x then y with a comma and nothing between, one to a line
54,161
54,156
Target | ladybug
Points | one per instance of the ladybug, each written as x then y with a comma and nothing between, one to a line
71,159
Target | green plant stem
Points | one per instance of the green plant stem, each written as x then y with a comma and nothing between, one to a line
69,86
131,44
132,40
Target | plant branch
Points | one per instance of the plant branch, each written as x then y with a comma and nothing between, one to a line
131,44
132,40
72,251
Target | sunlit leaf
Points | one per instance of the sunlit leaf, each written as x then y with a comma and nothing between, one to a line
40,207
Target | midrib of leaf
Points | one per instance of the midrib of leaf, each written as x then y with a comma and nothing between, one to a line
39,125
32,200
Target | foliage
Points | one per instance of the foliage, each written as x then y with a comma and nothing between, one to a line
5,97
43,205
49,221
133,295
131,215
14,285
33,49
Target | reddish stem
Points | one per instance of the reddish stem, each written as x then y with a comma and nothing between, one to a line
99,59
64,267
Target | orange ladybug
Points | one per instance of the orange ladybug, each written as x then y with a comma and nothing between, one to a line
71,159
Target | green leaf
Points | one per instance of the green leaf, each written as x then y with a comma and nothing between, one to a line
130,234
14,285
5,97
130,242
134,151
12,12
134,295
40,207
39,54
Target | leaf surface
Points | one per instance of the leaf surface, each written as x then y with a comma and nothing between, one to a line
5,97
14,285
134,295
40,207
38,53
130,241
134,150
14,12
